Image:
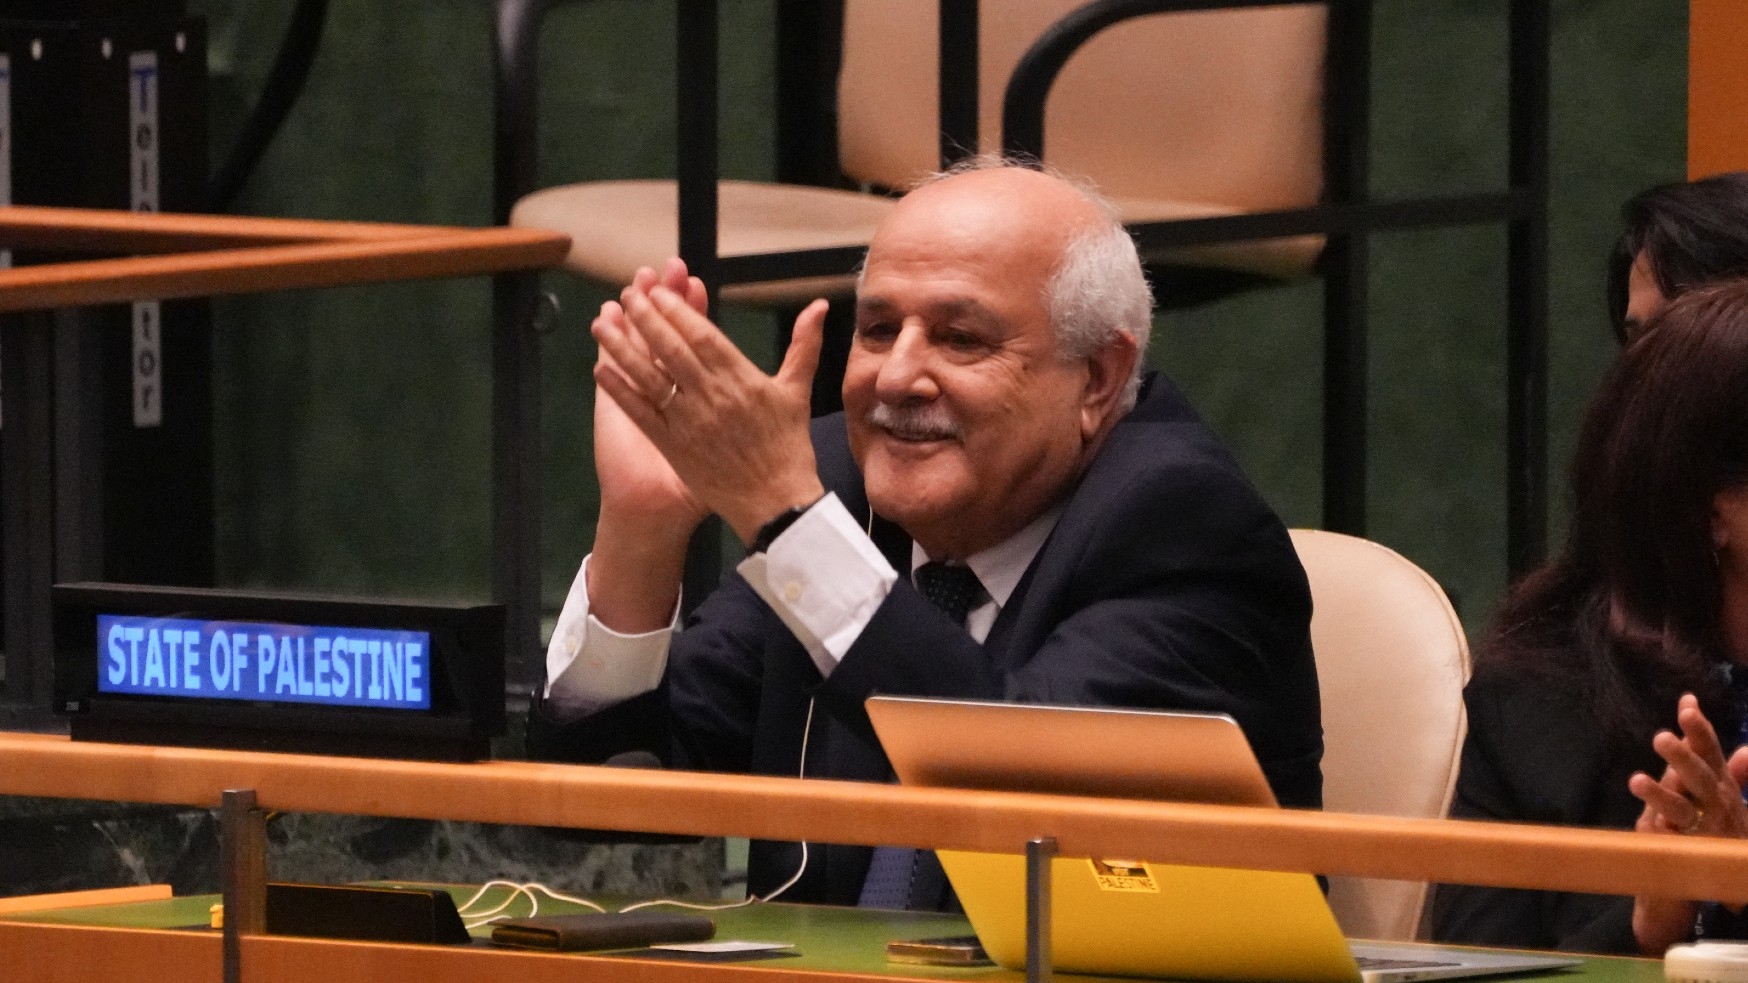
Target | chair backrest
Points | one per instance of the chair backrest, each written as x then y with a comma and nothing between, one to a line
1219,107
1391,663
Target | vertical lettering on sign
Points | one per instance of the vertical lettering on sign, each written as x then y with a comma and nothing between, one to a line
142,117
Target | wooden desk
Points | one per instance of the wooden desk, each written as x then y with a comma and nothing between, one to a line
139,944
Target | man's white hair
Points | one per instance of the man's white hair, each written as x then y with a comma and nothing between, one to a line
1098,290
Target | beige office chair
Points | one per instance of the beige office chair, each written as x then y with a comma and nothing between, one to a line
1391,662
1174,116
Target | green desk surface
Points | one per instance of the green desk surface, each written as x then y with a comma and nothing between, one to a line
826,939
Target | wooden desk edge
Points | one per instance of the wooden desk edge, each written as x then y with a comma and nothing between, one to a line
62,953
22,904
59,953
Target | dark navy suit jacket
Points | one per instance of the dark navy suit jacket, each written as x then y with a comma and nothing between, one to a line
1166,583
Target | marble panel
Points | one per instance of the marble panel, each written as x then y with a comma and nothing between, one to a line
58,845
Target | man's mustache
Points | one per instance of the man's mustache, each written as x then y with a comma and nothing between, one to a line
921,421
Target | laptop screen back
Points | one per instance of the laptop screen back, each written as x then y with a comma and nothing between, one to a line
1111,914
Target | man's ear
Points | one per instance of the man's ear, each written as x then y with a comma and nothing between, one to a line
1108,371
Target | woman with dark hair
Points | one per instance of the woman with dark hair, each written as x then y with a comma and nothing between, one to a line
1677,237
1640,625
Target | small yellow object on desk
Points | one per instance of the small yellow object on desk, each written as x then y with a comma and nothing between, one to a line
216,916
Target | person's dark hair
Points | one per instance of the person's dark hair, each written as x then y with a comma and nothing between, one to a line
1693,233
1628,615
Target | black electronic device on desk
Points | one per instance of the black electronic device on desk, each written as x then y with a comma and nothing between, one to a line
279,672
369,912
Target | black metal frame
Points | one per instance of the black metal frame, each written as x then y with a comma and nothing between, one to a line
1346,216
61,518
515,347
696,168
28,489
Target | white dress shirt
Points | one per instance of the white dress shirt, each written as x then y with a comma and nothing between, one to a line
824,578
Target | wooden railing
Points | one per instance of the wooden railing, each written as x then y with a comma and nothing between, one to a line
692,803
204,255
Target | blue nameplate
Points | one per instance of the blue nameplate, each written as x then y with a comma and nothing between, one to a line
282,663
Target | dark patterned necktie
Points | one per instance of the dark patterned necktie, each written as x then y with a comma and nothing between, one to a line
902,877
953,589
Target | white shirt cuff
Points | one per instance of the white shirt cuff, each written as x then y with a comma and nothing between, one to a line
824,578
589,666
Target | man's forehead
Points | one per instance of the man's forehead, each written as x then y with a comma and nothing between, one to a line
872,303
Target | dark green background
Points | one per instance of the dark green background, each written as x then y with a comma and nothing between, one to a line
354,425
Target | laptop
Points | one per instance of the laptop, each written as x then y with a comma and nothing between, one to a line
1130,917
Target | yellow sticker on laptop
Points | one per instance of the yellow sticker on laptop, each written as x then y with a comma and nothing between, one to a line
1124,875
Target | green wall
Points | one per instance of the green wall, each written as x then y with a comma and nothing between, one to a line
354,425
